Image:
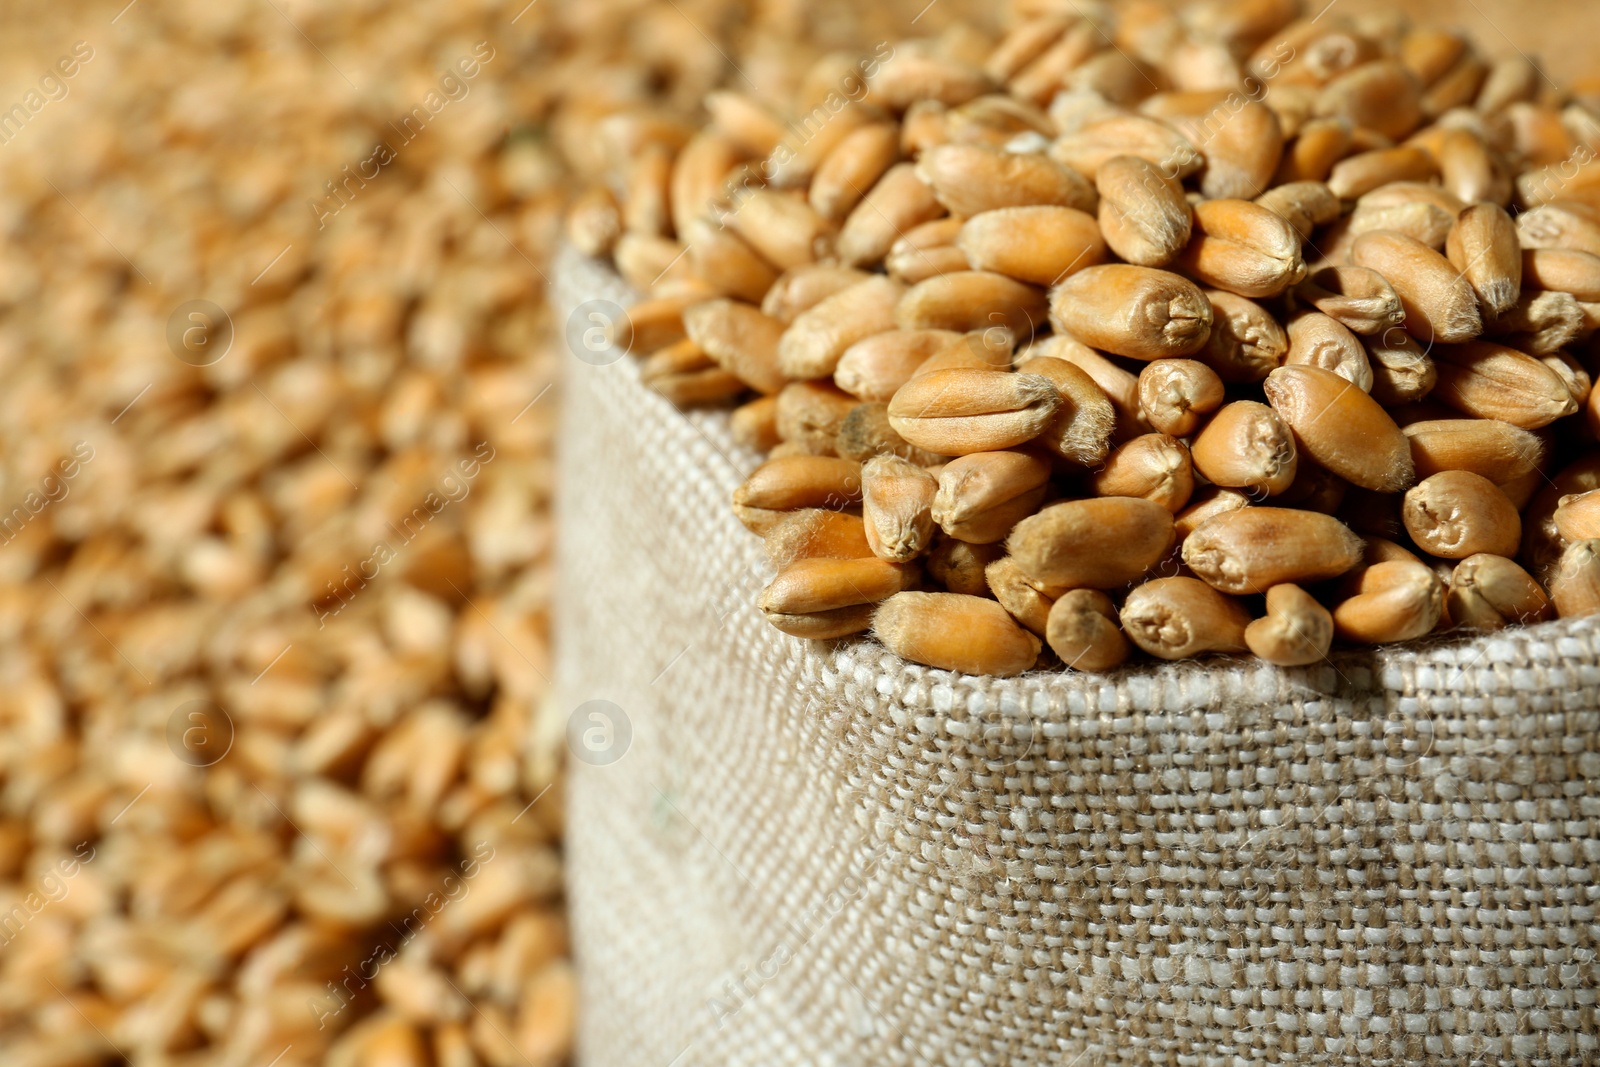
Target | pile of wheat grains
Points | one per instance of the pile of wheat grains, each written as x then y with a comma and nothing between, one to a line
1221,328
261,800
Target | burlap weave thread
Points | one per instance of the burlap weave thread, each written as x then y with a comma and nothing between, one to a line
828,856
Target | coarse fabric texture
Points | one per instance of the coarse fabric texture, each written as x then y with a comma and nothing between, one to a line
824,855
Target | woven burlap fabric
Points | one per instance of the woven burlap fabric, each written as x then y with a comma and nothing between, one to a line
825,855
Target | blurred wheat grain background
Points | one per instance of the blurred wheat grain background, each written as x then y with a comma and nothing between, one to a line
1561,34
279,782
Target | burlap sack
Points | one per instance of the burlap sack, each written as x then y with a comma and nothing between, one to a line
825,855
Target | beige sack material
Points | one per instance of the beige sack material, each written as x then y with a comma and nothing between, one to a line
813,854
